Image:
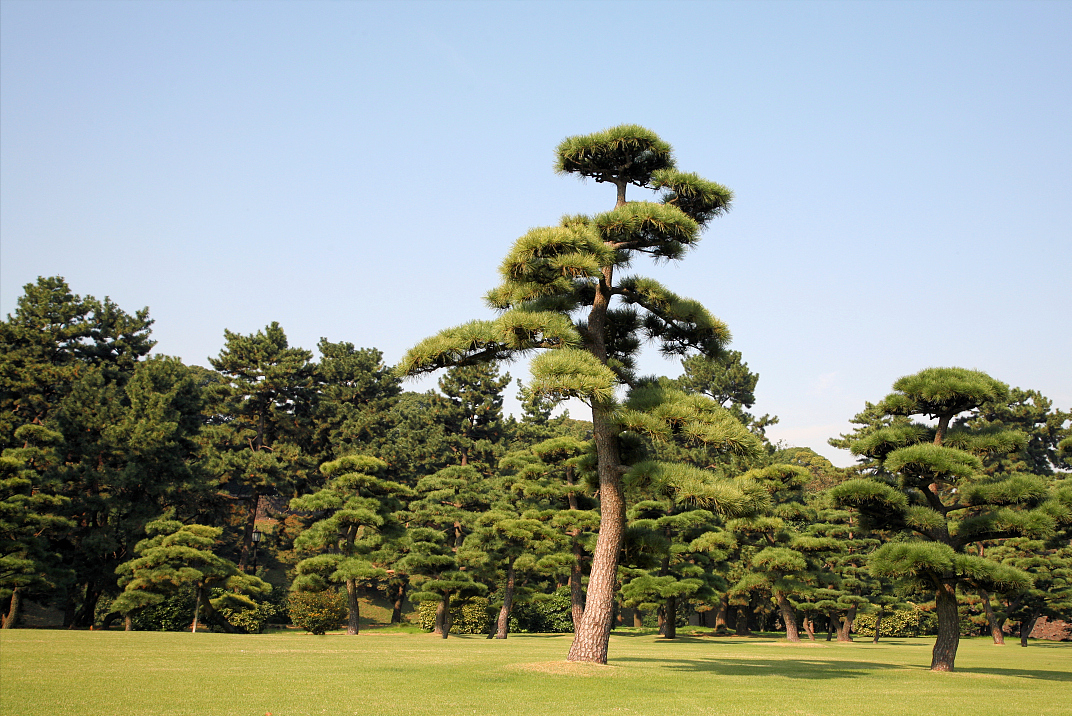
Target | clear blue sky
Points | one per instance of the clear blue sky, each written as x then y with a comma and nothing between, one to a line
356,170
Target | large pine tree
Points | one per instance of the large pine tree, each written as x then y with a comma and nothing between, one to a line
561,290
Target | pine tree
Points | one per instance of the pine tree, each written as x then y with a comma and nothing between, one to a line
928,483
260,428
354,514
560,292
174,555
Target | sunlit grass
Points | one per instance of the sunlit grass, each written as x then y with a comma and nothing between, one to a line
288,674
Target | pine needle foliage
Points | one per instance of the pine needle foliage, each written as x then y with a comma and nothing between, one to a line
928,483
590,351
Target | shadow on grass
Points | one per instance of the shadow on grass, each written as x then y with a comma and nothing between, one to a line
1036,674
790,669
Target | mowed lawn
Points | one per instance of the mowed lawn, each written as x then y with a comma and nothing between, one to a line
53,673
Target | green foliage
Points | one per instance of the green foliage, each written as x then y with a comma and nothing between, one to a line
901,623
317,612
545,614
468,616
174,613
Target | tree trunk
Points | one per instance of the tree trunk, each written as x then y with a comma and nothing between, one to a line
247,532
110,619
84,616
878,625
809,628
353,620
638,618
396,606
442,623
829,627
996,632
723,613
844,626
15,608
670,631
1026,629
592,638
740,626
576,585
789,616
502,627
197,606
128,623
945,646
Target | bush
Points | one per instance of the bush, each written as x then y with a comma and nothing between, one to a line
904,623
544,614
250,621
317,612
175,613
468,616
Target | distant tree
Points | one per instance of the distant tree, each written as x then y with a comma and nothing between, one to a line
174,555
31,519
928,484
260,426
553,275
353,515
355,393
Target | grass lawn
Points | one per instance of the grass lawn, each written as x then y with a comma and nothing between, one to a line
113,673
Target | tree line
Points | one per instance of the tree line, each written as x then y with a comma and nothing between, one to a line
127,477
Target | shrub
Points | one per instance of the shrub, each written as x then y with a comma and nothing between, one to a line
468,616
904,623
550,613
175,613
250,621
317,612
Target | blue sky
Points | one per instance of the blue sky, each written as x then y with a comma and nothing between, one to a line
356,170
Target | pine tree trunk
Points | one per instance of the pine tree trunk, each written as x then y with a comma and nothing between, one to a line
502,627
128,623
844,626
723,613
576,585
1026,629
197,606
443,617
592,638
247,533
396,606
740,625
829,627
878,625
996,632
84,616
353,620
809,628
638,618
670,632
945,646
14,609
789,616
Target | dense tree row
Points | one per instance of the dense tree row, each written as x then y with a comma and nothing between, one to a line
127,479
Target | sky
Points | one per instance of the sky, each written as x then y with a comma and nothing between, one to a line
902,173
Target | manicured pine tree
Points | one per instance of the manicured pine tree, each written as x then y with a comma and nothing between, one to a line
175,555
927,483
353,515
447,506
559,292
551,477
31,519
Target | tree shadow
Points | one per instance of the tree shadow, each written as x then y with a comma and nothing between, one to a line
1037,674
814,669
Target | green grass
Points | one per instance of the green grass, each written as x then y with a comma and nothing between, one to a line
397,674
